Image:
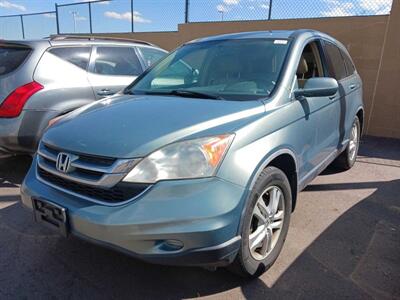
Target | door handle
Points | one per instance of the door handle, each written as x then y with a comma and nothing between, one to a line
352,86
105,92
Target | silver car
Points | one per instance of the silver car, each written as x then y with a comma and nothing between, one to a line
43,79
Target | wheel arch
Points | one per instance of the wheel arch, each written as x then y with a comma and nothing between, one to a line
275,158
285,160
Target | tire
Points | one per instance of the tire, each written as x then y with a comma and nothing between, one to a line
252,263
347,158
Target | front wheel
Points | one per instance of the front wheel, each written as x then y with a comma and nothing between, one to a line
265,223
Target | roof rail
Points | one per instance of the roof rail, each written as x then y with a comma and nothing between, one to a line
60,37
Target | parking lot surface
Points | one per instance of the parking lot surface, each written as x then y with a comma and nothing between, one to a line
343,242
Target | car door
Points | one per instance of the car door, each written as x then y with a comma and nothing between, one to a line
112,68
336,68
353,92
323,111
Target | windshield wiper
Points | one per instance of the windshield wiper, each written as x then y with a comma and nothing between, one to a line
180,93
185,93
194,94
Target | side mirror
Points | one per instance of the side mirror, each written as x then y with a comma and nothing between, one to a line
318,87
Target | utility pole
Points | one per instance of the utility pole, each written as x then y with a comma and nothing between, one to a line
221,11
74,15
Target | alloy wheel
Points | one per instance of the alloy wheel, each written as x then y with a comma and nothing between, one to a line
266,222
353,143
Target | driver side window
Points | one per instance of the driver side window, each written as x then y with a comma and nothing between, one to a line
310,64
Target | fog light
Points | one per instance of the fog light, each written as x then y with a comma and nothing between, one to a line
171,245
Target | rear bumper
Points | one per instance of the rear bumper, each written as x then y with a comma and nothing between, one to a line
9,132
203,215
22,134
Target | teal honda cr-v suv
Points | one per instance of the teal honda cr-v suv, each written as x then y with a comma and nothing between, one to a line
200,160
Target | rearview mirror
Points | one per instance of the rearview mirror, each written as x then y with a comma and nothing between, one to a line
318,87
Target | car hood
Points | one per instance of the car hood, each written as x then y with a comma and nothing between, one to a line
134,126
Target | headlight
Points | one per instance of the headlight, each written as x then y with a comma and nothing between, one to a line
187,159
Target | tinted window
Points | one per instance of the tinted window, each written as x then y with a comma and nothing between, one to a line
337,68
237,69
349,64
79,56
11,58
151,55
181,70
117,61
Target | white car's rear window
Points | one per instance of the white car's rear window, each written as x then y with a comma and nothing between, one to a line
11,57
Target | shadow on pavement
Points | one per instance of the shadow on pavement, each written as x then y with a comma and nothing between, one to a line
384,148
13,170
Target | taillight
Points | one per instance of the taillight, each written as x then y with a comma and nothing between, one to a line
14,103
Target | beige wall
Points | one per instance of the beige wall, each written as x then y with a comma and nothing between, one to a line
373,42
385,117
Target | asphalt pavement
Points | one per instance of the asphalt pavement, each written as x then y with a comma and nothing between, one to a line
343,242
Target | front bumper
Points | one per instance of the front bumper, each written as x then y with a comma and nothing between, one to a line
202,214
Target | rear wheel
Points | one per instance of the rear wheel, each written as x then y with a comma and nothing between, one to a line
265,223
347,158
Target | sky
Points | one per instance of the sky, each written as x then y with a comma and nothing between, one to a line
165,15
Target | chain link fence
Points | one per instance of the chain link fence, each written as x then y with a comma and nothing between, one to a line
28,26
229,10
73,18
104,16
289,9
10,27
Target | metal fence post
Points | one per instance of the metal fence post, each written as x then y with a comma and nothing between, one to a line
90,16
58,24
133,18
186,11
22,26
270,10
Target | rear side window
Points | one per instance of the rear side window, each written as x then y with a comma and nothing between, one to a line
336,63
150,55
120,61
349,64
11,57
78,56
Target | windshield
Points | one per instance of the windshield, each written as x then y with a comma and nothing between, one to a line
240,69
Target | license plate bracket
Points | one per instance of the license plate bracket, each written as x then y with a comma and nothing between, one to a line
51,215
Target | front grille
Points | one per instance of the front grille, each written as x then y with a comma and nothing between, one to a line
120,192
102,161
94,175
91,159
95,178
